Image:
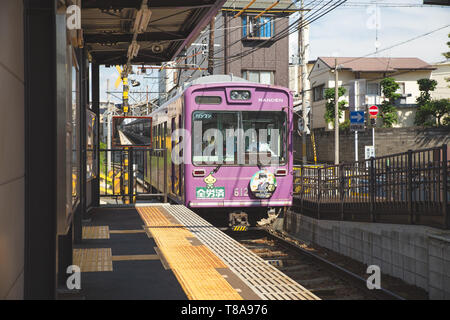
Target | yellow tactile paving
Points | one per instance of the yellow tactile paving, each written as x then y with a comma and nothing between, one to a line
96,232
126,231
194,266
91,260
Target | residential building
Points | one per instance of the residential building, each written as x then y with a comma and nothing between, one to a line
368,72
244,46
442,76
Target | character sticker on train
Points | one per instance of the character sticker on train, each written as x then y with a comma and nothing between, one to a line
210,191
263,184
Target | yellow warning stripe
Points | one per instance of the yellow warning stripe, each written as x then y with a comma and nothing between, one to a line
240,228
194,266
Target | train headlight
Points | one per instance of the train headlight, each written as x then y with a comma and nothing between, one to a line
240,95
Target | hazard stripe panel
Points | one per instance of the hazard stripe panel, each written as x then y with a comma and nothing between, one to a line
193,265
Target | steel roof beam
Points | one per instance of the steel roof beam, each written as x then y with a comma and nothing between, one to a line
103,38
136,4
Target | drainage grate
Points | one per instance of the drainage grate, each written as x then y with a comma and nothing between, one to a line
267,281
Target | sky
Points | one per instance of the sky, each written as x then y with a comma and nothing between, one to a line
350,31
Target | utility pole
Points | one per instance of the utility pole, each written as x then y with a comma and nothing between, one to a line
336,113
211,46
303,53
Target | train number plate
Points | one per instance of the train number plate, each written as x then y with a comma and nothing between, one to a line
210,193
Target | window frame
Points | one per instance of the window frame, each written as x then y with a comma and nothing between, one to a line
239,121
246,22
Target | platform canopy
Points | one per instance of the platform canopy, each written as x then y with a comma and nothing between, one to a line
108,28
258,6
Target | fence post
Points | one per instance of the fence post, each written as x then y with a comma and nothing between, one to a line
372,189
131,175
165,175
302,187
319,190
341,189
445,199
409,188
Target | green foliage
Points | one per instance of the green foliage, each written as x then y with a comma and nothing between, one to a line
329,107
344,125
388,111
431,113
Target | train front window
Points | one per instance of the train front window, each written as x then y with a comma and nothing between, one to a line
239,138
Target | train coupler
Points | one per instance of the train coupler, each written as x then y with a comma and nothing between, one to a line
238,221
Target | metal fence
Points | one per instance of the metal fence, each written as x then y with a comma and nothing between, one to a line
123,173
410,187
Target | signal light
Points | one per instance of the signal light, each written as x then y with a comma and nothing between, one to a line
281,172
198,172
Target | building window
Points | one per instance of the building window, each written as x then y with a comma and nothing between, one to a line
318,92
401,88
263,77
372,89
261,28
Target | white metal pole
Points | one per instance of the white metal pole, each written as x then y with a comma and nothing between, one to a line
356,109
108,129
336,113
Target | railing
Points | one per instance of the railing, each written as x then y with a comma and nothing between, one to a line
410,187
127,176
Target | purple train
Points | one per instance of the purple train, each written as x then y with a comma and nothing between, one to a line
231,146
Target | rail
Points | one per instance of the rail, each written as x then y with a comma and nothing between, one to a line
125,174
410,187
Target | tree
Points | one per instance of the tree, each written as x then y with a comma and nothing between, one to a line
447,54
388,111
439,109
329,107
424,109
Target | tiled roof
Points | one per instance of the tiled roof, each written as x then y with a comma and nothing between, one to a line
377,64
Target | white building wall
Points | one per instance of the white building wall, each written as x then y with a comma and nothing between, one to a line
442,72
12,152
321,74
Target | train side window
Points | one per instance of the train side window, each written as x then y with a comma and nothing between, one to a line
164,134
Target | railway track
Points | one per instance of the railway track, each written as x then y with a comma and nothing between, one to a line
328,280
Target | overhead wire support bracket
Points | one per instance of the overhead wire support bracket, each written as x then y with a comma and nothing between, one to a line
268,8
243,9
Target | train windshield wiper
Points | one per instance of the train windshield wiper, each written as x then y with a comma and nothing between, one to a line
217,168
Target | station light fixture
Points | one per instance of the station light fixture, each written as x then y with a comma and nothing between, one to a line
142,19
240,95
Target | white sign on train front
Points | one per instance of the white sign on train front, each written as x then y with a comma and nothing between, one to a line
270,100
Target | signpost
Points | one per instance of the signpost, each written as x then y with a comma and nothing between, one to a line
373,111
357,120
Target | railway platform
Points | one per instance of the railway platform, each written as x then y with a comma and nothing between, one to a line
163,251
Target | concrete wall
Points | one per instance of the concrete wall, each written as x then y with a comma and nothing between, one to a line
12,152
416,254
387,141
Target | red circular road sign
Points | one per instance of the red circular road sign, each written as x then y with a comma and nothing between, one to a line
373,110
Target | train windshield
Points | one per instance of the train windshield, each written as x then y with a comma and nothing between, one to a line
239,138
